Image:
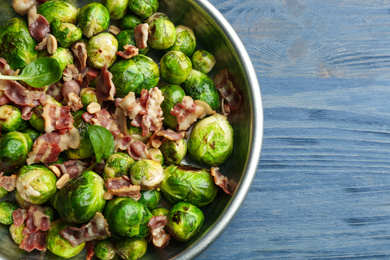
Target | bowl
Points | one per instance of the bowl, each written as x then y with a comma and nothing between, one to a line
215,35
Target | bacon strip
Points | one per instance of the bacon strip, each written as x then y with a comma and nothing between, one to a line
187,112
79,50
39,27
141,35
36,220
33,241
121,187
159,236
19,216
105,88
221,181
129,52
138,151
21,96
57,118
97,228
8,182
231,99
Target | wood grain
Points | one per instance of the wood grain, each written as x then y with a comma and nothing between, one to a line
323,186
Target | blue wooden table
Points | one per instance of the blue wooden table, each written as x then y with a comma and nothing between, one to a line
322,190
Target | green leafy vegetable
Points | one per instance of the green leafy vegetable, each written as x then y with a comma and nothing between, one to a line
39,73
102,141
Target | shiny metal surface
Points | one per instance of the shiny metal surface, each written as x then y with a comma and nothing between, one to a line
214,34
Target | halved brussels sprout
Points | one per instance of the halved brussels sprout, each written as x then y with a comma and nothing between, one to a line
60,10
10,118
185,40
160,211
127,218
117,164
173,94
184,221
174,151
211,140
175,67
63,55
21,202
162,34
6,209
131,248
116,8
14,149
80,198
135,74
126,37
57,244
129,22
32,133
101,49
93,19
104,249
17,46
17,233
203,61
88,95
143,8
150,198
147,173
156,16
65,33
189,184
36,183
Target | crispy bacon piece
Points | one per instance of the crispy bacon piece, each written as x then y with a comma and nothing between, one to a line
158,137
221,181
91,74
129,52
187,112
19,216
230,98
121,187
8,182
79,50
141,35
97,228
159,236
3,99
26,113
33,241
138,151
20,95
36,220
71,72
105,88
57,118
74,102
39,27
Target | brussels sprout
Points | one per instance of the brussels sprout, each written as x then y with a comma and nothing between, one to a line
127,37
57,244
23,126
3,192
136,133
60,10
21,202
17,46
101,49
156,155
129,22
116,8
185,40
93,19
6,209
117,164
14,148
156,16
17,233
160,211
150,198
36,183
189,184
85,150
131,248
80,198
203,61
199,86
10,118
211,140
184,221
65,33
161,34
104,249
63,55
175,67
174,151
36,119
143,8
49,211
88,95
127,218
32,133
147,173
135,74
173,94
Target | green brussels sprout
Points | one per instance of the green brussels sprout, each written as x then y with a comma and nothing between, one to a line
14,148
66,33
101,49
147,173
21,202
63,55
174,151
80,198
127,37
161,34
10,118
156,155
85,150
150,198
93,19
104,249
36,183
117,164
3,192
23,125
36,119
6,209
129,22
57,244
185,40
184,221
135,74
116,8
143,8
173,94
49,211
127,218
189,184
160,211
32,133
88,95
175,67
203,61
156,16
211,140
17,46
136,133
17,233
199,86
131,248
60,10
